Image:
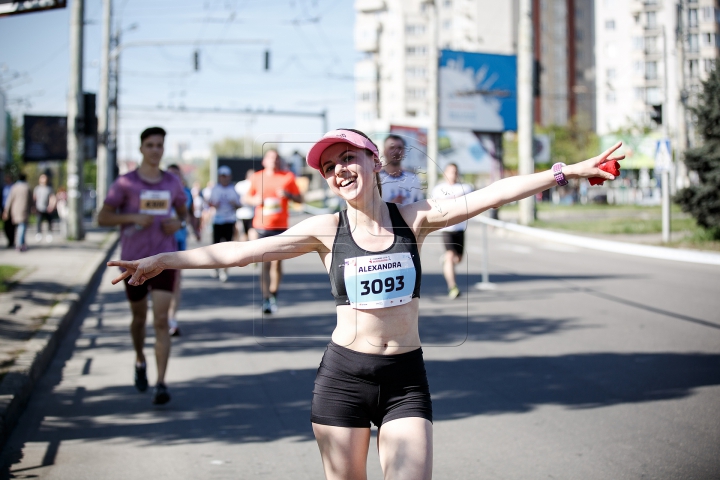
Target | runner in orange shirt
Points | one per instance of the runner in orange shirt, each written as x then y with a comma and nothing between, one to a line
270,190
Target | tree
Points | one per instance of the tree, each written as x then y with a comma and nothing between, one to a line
702,200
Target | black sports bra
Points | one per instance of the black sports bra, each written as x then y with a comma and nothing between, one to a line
375,279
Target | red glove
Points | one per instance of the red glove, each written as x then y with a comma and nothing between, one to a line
613,167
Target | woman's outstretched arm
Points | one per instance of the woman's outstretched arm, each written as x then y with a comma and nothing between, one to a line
296,241
439,213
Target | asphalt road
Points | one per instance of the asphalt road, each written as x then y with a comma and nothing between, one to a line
580,364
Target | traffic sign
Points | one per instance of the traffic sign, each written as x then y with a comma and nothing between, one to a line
663,155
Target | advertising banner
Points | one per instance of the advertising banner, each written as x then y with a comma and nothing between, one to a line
639,150
45,138
477,91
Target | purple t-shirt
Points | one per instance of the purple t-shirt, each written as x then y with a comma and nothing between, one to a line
131,194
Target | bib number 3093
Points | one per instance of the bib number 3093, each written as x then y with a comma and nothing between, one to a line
377,287
379,281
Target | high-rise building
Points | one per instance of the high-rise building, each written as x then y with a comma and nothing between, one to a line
564,49
651,56
395,36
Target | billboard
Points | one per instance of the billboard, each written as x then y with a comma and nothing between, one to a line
45,138
13,7
639,150
477,91
472,152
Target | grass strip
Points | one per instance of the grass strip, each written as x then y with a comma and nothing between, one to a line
6,273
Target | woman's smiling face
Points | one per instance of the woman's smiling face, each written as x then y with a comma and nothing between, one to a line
347,168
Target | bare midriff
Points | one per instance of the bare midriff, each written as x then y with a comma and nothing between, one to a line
383,331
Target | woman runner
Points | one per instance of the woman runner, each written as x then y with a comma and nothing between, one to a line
372,370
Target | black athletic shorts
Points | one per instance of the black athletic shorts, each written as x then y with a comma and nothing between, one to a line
223,232
270,233
455,241
246,224
353,389
165,280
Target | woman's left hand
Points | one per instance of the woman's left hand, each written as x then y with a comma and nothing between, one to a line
141,270
591,168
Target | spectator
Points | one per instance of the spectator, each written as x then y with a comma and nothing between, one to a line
8,226
17,209
44,199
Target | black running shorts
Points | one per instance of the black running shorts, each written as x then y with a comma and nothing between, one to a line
223,232
165,281
353,389
455,241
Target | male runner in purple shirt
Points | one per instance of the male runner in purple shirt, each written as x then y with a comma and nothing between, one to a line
141,202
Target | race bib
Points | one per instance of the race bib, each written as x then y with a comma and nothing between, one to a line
155,202
379,281
272,206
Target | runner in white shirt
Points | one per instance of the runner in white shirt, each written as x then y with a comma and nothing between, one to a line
245,213
454,235
225,200
398,185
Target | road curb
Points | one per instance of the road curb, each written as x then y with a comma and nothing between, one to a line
650,251
17,385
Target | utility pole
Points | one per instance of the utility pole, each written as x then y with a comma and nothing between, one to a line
105,171
665,176
75,116
432,134
112,140
682,127
526,163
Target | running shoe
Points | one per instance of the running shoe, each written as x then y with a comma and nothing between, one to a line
223,276
266,307
161,395
454,292
141,382
174,328
273,304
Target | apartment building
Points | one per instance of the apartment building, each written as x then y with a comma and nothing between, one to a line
565,49
395,37
651,56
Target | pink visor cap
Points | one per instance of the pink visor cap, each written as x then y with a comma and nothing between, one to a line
337,136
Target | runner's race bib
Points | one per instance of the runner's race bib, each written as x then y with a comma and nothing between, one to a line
379,281
272,206
155,202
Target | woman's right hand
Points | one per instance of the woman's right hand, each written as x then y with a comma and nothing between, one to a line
140,270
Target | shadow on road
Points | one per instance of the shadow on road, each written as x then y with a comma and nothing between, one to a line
275,405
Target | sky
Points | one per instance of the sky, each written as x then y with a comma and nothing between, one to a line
312,60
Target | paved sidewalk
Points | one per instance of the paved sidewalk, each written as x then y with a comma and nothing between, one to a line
54,279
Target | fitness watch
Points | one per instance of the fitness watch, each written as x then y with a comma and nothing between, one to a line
558,174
